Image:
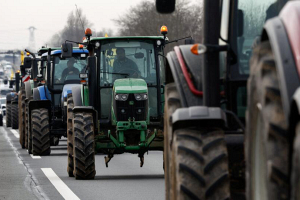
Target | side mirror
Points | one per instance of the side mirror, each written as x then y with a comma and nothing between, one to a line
66,50
27,62
240,23
139,55
165,6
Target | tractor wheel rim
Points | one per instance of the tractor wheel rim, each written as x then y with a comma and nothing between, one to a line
258,182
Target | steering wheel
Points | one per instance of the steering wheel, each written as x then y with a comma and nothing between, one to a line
135,74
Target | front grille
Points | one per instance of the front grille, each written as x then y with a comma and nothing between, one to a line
131,111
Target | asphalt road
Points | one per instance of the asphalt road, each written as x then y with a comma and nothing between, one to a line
23,176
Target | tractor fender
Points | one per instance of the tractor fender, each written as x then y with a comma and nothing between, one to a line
28,89
290,17
275,32
76,93
199,116
8,97
67,89
179,59
44,93
36,94
14,98
88,109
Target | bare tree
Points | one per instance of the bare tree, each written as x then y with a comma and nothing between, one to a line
144,20
74,29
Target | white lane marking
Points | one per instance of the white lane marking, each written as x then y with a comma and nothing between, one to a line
61,187
35,157
16,133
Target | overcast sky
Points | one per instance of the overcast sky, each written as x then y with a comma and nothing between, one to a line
49,17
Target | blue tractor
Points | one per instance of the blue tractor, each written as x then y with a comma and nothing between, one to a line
48,108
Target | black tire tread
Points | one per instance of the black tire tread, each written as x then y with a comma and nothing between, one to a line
14,116
207,179
172,102
84,146
263,89
70,139
21,105
41,132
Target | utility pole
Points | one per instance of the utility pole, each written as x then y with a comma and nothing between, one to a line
31,39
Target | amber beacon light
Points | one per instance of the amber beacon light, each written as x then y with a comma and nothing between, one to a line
164,30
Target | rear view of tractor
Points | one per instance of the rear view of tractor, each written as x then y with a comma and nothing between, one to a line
118,108
204,125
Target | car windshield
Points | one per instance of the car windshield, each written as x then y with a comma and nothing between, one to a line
254,14
69,68
3,101
127,59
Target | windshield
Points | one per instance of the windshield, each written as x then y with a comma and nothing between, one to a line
3,101
127,59
252,15
4,92
69,68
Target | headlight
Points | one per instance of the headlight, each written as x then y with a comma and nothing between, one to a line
121,97
139,97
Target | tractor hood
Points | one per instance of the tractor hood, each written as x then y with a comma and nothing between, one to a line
130,85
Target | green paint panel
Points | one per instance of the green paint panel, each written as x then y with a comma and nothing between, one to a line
85,95
130,85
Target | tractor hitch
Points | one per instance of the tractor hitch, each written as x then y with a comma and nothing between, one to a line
108,158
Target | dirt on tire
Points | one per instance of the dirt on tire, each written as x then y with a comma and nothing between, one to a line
200,164
266,139
84,146
8,115
70,140
21,105
40,132
172,102
14,116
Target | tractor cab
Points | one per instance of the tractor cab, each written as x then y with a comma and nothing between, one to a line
130,78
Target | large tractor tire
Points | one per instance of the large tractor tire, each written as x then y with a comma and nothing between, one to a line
70,106
14,116
21,105
172,103
8,114
295,175
40,132
84,146
196,161
1,120
26,124
200,164
266,141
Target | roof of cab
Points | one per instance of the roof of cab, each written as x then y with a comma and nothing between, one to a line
128,37
55,52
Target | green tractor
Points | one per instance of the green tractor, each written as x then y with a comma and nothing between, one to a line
119,106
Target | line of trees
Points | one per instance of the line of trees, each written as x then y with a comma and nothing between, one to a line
140,20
